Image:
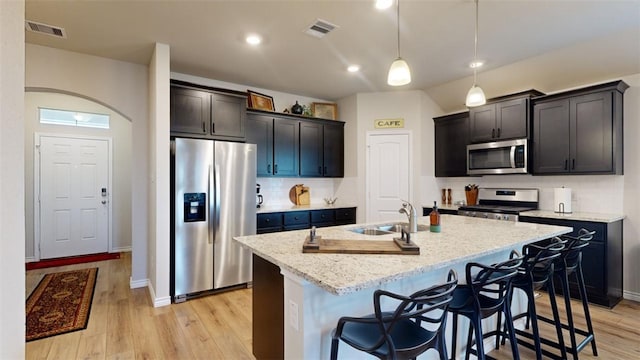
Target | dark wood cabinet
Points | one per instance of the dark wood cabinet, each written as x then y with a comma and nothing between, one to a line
286,142
228,116
451,140
321,149
290,145
601,260
579,132
260,132
189,111
304,219
502,118
207,113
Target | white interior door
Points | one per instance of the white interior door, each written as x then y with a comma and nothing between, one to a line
388,175
74,193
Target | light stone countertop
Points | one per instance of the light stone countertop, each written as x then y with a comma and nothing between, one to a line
291,207
576,216
462,239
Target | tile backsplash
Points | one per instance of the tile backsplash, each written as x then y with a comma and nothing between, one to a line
590,193
276,190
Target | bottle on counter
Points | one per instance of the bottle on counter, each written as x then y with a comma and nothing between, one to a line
434,219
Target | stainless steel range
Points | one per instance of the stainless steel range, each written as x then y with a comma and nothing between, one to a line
501,204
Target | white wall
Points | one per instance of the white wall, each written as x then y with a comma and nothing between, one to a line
591,193
159,203
12,232
120,134
123,87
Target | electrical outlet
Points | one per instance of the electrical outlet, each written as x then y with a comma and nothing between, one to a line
293,314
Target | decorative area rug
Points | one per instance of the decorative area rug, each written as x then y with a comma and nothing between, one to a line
61,303
71,260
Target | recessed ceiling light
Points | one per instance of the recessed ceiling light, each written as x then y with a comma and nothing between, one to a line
383,4
253,39
476,64
353,68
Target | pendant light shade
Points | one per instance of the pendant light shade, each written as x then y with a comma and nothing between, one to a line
399,73
475,96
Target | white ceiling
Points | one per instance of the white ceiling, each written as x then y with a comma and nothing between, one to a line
525,44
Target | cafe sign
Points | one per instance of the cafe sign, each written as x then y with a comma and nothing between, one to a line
388,123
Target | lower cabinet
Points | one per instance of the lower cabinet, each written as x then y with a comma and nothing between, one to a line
601,260
305,219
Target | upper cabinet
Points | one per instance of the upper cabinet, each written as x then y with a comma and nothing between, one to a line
501,118
290,145
451,140
579,132
321,149
207,113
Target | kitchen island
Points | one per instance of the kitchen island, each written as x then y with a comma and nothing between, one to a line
317,289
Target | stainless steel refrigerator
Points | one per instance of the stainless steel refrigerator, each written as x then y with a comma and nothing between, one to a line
213,199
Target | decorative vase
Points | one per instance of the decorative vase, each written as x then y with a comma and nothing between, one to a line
296,109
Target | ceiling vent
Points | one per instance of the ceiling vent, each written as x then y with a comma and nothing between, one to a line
320,28
45,29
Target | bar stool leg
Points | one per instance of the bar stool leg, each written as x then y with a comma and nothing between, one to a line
556,317
567,302
585,306
512,332
454,335
531,315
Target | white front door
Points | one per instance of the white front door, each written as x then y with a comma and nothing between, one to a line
74,194
388,175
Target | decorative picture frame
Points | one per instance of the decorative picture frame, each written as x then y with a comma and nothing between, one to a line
260,101
325,110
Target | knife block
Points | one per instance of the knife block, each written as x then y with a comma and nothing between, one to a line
472,196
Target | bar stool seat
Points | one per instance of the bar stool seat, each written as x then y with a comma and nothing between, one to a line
415,326
570,263
537,271
486,293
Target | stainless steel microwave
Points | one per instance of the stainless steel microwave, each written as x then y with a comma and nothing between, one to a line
501,157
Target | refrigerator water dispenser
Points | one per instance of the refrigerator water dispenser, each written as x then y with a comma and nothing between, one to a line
195,207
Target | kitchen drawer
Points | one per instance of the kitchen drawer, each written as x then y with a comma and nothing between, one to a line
296,218
323,216
345,216
269,220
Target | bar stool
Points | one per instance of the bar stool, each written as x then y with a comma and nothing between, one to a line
537,271
401,333
486,293
569,263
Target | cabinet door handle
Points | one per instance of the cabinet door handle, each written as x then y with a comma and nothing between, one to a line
493,133
320,170
204,127
213,127
573,164
325,170
498,132
269,169
267,220
566,164
275,168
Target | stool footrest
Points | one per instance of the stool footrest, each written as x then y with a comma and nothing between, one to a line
579,346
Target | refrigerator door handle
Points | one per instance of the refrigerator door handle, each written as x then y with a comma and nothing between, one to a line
216,198
211,183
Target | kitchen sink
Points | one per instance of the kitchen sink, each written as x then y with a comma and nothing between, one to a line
385,229
370,231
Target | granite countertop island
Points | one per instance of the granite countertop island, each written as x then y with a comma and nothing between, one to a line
320,288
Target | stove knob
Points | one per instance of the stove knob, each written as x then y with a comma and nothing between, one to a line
505,217
473,214
498,217
486,216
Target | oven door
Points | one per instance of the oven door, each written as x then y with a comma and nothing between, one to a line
503,157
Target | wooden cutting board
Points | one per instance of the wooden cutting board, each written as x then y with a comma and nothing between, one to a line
393,247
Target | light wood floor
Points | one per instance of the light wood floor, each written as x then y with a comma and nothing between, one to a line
124,325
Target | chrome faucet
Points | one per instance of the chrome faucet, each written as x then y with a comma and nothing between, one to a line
410,211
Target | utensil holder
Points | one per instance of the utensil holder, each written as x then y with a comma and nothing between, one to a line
472,196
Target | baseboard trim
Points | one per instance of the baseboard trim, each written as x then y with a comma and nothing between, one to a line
121,249
135,284
629,295
157,302
30,259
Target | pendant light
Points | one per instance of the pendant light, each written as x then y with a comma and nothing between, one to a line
475,96
399,73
